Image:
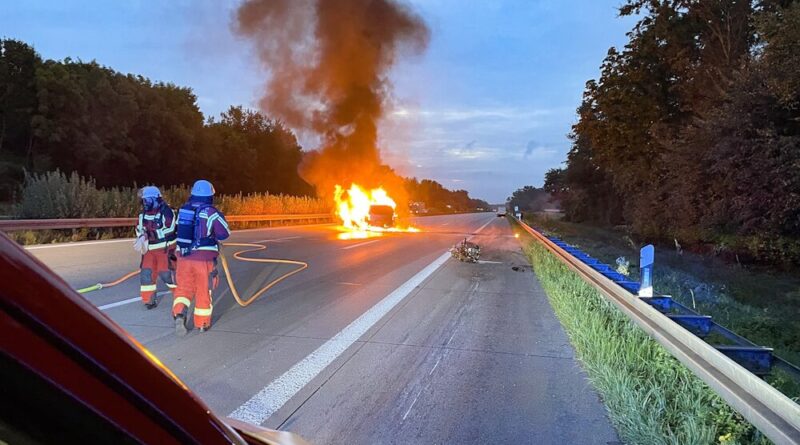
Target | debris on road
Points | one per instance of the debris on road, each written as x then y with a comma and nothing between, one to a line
466,251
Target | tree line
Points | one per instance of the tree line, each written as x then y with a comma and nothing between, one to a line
441,200
531,199
121,129
692,130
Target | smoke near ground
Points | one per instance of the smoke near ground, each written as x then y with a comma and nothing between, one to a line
328,63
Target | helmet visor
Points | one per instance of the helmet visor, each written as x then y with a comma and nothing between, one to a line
149,203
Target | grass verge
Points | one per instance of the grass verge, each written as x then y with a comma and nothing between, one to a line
651,397
760,304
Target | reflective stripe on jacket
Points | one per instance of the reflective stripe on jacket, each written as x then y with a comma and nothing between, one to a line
159,226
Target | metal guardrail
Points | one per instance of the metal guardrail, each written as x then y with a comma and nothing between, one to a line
774,414
79,223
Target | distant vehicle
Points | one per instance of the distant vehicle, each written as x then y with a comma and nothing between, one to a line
501,211
418,207
71,375
381,216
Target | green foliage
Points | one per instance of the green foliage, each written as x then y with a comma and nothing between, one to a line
266,204
438,199
251,153
530,199
692,129
18,64
651,398
57,195
123,129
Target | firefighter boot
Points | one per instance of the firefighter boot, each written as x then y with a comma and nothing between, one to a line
153,302
180,325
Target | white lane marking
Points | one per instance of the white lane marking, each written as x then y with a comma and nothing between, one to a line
78,244
451,338
128,301
272,397
434,366
360,244
347,283
489,262
482,227
276,240
119,303
412,405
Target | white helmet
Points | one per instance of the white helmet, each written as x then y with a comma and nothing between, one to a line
150,191
202,188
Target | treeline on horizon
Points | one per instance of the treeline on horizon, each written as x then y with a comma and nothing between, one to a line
122,130
692,131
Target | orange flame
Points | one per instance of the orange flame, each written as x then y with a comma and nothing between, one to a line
354,207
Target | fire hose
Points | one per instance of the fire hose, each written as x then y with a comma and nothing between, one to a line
301,265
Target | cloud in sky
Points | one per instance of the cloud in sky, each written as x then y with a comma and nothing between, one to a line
489,151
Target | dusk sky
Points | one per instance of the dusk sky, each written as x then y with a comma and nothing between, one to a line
486,108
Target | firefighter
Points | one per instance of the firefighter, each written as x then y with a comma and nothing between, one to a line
200,228
156,239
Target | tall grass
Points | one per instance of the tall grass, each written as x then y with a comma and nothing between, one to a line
59,195
651,398
267,204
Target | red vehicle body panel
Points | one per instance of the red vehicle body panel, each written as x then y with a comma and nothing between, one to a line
54,332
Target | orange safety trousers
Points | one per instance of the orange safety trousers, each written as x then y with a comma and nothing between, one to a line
155,264
196,281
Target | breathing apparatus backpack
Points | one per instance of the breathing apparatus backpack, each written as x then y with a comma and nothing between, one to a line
189,236
187,222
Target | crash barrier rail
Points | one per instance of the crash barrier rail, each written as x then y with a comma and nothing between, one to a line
80,223
777,416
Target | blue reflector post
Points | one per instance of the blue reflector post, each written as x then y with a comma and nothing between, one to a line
646,257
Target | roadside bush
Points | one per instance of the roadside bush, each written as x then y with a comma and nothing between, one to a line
266,204
58,195
651,397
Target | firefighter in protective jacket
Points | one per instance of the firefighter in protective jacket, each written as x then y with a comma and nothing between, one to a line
156,241
200,228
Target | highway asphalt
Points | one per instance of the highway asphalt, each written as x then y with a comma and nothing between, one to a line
380,340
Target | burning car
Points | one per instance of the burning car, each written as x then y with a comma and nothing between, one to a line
381,216
365,212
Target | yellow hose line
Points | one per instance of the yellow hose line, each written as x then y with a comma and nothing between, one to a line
99,286
256,247
238,255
